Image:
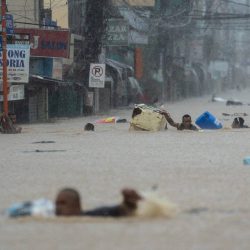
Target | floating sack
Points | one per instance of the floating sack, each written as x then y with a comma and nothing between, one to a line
153,205
147,118
208,121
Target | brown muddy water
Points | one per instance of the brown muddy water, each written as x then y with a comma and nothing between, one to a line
202,172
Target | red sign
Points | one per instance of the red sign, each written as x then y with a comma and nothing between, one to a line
45,43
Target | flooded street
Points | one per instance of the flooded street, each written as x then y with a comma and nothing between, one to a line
199,171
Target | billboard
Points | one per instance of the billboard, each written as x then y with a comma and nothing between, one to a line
18,58
16,93
117,32
44,42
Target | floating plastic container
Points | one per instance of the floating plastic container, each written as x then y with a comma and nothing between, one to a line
41,207
246,160
208,121
146,118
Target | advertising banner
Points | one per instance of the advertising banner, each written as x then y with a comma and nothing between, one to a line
45,43
117,32
9,23
16,93
18,58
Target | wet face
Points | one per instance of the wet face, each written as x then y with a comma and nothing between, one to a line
67,204
187,122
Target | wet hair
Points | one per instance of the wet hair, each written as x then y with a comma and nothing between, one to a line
130,198
89,127
238,123
68,202
241,121
186,116
73,192
235,123
136,112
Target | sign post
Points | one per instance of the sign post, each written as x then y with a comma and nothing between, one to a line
97,80
97,75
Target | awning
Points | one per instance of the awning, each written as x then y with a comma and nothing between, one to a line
48,81
118,66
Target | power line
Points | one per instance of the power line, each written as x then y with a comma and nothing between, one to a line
240,4
221,17
38,24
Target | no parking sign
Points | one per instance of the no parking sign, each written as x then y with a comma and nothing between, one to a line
97,75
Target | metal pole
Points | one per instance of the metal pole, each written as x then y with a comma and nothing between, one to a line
4,52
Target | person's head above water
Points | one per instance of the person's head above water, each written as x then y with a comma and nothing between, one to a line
186,120
89,127
68,203
130,198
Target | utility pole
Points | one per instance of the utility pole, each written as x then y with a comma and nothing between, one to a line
4,59
94,30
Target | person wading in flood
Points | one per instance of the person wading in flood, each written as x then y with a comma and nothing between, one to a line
239,123
186,123
68,203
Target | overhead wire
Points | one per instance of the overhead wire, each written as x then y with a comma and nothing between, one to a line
236,3
161,21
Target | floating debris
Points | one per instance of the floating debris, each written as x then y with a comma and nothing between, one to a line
235,114
197,210
43,142
44,151
246,160
233,102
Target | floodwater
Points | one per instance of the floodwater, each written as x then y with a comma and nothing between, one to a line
201,172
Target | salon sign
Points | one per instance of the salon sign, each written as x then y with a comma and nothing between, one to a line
44,43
